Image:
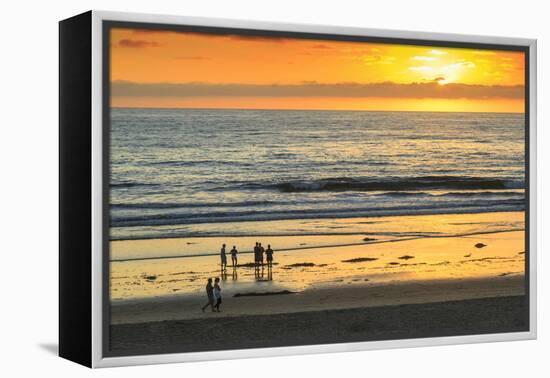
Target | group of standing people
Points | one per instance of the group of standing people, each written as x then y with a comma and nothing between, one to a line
258,256
223,256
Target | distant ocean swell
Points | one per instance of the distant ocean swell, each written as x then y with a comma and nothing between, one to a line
171,169
393,184
518,195
403,196
212,216
360,184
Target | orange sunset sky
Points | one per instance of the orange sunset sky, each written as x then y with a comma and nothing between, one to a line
165,69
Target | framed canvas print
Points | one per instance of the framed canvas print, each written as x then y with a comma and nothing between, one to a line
233,189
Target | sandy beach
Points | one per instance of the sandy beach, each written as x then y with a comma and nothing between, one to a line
432,275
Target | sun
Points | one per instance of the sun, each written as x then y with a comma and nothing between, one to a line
441,80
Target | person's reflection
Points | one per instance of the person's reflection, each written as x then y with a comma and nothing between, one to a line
269,273
234,274
224,275
260,273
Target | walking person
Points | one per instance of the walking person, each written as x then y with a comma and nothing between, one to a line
223,257
210,295
217,294
234,256
269,256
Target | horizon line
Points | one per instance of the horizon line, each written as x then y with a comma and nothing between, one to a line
301,109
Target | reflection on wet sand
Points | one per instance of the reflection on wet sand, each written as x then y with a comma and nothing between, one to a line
377,264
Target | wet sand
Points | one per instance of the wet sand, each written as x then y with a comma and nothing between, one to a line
374,263
449,318
359,295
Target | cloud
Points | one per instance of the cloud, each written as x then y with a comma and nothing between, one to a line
210,33
424,58
314,89
421,68
460,64
192,57
493,74
151,31
378,59
483,52
256,38
137,43
321,46
507,66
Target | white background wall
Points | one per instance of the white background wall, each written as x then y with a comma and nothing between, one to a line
28,212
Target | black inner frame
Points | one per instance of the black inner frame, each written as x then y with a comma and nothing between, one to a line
107,25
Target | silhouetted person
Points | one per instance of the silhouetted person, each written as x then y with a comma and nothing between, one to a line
261,254
257,256
234,256
217,294
223,258
269,256
210,295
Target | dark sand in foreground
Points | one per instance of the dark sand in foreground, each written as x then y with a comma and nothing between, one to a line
450,318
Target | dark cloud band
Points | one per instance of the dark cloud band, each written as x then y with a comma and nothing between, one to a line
313,89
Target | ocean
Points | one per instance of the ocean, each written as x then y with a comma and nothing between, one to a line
190,172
